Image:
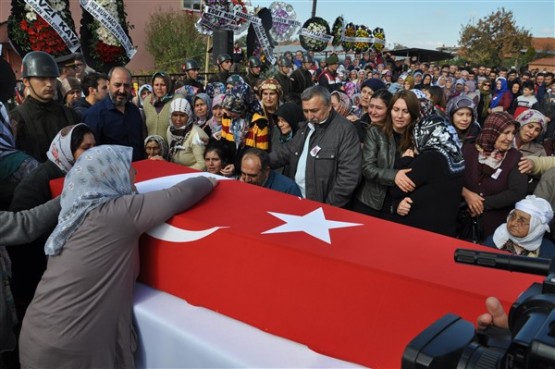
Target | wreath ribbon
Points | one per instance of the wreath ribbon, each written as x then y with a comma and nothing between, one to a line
53,18
110,23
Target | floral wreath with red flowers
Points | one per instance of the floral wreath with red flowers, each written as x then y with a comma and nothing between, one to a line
101,49
28,31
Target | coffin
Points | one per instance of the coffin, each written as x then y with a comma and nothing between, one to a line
346,285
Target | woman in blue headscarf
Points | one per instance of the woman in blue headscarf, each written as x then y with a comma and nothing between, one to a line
502,97
81,314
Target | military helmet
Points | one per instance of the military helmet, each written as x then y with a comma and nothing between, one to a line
39,64
222,58
285,62
308,58
254,62
191,64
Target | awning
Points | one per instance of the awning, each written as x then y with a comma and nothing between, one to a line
423,55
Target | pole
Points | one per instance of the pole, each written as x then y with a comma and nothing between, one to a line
313,8
207,60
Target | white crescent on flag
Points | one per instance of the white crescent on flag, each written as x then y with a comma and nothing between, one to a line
165,231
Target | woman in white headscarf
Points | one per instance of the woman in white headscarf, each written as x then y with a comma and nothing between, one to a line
523,234
81,314
29,261
187,141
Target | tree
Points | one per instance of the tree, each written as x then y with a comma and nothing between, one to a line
171,37
493,39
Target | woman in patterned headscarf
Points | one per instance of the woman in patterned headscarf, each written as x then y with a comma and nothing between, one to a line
243,122
81,314
437,172
492,181
342,105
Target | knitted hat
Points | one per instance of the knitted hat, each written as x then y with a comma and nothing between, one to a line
270,84
374,84
181,105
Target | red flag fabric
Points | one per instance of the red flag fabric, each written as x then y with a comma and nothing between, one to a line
346,285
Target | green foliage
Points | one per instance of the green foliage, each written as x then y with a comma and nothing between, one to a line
494,39
171,37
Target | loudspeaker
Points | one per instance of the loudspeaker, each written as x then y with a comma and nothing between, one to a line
222,43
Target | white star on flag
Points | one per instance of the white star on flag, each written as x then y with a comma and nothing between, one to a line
313,223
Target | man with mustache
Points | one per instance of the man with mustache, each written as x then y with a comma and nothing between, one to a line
324,155
115,120
36,122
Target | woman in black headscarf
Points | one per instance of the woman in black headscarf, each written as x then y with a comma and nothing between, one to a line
437,171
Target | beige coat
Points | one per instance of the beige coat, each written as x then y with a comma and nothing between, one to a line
81,315
191,152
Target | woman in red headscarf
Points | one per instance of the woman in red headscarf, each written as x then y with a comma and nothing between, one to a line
492,181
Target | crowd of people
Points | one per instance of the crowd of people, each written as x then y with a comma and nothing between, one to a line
464,151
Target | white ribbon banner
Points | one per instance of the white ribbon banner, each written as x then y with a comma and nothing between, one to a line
110,23
264,42
54,19
288,22
248,17
220,14
358,39
316,35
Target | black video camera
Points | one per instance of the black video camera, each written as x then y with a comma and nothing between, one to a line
452,342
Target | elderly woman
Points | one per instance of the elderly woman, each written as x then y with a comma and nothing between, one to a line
523,234
492,181
29,261
383,147
187,141
157,105
202,104
81,314
156,148
71,90
437,172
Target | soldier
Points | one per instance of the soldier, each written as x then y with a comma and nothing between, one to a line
284,68
224,62
191,69
254,67
302,77
36,122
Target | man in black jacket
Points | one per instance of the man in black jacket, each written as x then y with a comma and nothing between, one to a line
324,155
37,121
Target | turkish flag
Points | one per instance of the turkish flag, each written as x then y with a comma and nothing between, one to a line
346,285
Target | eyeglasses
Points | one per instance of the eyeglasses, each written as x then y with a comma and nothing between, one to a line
522,222
487,85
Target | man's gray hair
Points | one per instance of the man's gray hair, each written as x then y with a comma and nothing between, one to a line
314,91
